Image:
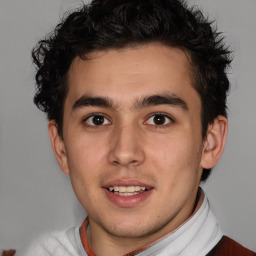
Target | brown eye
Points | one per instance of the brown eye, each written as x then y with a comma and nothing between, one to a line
97,120
159,119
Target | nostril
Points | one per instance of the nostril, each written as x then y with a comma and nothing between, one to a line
132,162
115,162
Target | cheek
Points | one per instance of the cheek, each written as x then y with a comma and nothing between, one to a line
85,160
174,155
86,151
177,170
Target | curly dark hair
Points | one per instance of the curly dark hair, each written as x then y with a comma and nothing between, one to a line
115,24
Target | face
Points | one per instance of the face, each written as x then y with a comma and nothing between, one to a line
132,140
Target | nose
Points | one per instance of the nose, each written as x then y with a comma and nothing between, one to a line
126,147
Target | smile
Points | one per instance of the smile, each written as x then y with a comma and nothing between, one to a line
127,193
127,190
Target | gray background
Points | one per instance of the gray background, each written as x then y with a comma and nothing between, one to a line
36,197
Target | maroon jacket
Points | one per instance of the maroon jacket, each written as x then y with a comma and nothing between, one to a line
225,247
228,247
8,253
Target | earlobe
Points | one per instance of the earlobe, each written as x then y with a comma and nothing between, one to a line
58,146
215,142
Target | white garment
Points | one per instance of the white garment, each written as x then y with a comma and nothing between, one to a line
196,237
60,243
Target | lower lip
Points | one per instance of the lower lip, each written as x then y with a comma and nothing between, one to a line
127,201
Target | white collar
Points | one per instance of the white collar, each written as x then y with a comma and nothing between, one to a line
196,237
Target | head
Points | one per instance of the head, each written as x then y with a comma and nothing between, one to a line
110,42
104,25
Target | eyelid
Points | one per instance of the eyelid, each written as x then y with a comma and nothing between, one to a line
171,119
85,119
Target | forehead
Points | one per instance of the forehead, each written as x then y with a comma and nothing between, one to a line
130,73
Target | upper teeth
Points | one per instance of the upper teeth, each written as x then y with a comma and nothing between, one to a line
129,189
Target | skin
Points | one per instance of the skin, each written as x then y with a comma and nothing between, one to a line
128,147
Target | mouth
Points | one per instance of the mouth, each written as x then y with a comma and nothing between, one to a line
127,190
127,193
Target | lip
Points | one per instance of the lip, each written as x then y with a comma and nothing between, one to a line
126,183
127,201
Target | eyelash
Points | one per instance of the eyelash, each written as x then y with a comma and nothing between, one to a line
100,115
170,120
85,120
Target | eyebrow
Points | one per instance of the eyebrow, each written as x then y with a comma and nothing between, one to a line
151,100
166,99
86,101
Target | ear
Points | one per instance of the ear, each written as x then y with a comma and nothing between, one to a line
215,142
58,146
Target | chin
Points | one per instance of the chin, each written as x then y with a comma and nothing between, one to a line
133,229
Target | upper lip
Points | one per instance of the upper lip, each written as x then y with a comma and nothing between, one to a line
126,183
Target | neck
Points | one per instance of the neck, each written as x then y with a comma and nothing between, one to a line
103,243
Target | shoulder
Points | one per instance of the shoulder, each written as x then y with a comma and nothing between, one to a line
59,243
229,247
7,253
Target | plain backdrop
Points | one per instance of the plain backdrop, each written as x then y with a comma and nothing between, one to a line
34,194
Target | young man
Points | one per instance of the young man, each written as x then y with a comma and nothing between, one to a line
135,94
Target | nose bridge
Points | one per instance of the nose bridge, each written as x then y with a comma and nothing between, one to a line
125,145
